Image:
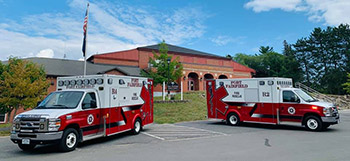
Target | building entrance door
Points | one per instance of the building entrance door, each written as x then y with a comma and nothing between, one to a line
190,85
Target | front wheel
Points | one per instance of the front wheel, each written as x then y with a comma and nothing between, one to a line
313,123
25,147
233,119
137,126
69,140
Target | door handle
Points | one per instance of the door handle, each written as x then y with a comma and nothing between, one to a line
97,115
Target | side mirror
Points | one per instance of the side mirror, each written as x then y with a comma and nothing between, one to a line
37,104
298,99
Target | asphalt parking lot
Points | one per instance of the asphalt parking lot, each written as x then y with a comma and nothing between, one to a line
203,140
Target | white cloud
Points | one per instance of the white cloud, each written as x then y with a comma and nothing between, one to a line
224,40
331,12
266,5
46,53
112,27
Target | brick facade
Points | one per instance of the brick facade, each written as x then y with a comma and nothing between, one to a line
197,68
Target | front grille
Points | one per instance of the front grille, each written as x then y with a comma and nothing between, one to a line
31,124
334,111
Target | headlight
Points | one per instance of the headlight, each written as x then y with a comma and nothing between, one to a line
327,111
54,124
17,118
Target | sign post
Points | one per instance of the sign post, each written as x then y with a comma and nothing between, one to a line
182,91
163,91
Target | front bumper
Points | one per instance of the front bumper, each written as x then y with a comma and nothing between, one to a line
331,120
37,138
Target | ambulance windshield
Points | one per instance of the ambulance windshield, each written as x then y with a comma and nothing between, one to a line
61,100
306,97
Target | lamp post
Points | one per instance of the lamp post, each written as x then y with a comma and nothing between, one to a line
168,60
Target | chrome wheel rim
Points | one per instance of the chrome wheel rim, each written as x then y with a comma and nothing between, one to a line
137,126
312,124
71,140
233,119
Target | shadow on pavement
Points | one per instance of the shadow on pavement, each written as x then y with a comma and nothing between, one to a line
44,149
271,126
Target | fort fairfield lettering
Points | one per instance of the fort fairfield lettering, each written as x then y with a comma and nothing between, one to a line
236,84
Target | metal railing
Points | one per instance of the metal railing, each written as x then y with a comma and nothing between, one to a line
314,93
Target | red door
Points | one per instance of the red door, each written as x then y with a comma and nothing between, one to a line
289,109
90,115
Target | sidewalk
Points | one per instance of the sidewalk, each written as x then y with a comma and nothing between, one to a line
5,129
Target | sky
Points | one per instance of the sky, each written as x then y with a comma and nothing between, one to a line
54,29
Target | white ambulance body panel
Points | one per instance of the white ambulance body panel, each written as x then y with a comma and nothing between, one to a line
257,90
113,90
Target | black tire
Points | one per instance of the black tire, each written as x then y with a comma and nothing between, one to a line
25,147
137,126
313,123
69,140
233,119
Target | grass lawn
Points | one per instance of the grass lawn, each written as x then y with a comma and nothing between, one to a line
196,109
5,125
6,132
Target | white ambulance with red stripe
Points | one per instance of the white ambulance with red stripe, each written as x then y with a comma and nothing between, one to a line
84,108
267,100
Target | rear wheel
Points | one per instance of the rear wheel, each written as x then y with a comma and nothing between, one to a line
232,119
69,140
313,123
137,126
25,147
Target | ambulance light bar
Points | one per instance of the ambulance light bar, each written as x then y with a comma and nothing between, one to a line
79,82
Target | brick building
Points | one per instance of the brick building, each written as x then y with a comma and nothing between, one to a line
198,66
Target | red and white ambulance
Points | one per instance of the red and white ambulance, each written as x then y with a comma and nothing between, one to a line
267,100
84,108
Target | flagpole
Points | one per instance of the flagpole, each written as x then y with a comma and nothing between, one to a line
86,39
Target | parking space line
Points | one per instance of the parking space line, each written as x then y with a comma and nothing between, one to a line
202,129
157,137
195,138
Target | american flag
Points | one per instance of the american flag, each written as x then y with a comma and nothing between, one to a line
85,28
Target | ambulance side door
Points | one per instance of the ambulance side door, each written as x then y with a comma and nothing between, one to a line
289,106
266,101
113,110
92,112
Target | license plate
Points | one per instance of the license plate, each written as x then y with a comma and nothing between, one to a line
26,141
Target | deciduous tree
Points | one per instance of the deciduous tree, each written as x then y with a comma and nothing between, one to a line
22,85
159,67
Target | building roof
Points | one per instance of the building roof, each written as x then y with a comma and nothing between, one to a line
177,49
65,67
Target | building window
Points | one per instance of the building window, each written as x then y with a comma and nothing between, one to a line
3,118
